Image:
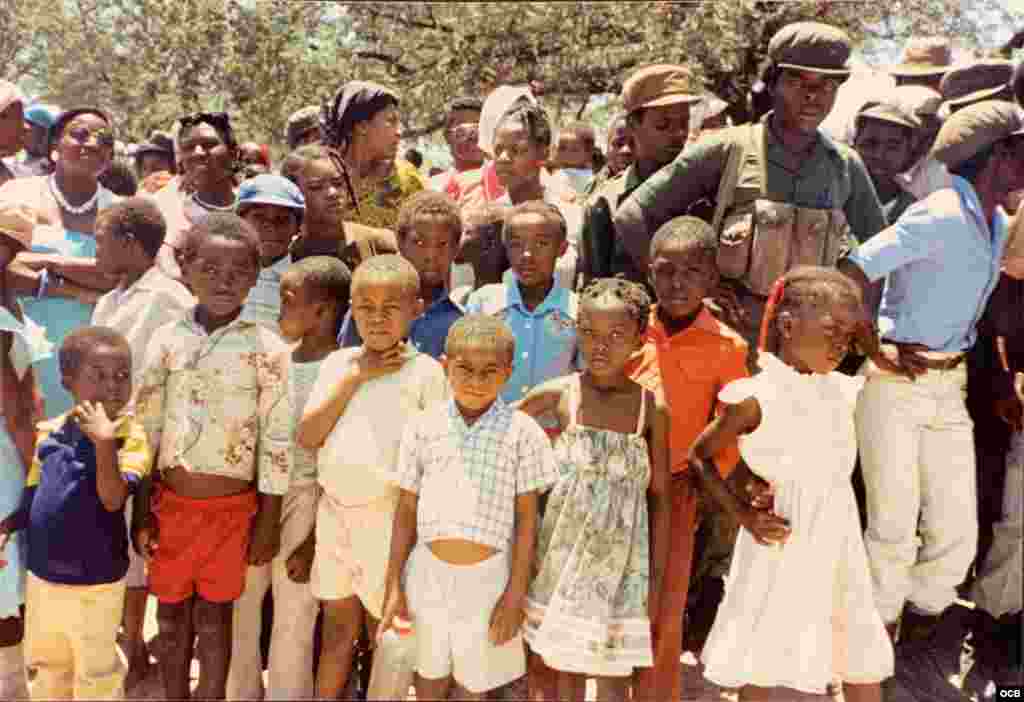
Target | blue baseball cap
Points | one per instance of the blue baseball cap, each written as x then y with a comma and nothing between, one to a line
267,189
41,115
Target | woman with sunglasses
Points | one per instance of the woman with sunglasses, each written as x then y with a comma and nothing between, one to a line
362,124
57,281
207,158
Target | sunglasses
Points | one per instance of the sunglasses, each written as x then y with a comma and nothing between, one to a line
82,135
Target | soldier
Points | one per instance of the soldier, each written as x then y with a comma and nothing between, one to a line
925,61
657,100
785,193
989,79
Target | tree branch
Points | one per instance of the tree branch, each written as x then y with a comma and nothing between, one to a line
384,58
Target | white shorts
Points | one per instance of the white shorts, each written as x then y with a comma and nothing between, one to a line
451,609
353,545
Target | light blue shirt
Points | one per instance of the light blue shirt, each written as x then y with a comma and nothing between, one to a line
942,261
545,337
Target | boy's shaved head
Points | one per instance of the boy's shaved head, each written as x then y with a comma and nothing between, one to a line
480,331
687,231
390,269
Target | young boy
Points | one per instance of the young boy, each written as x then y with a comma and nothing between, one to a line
689,356
273,206
314,296
86,464
574,155
129,235
354,416
463,547
214,399
884,138
542,315
429,231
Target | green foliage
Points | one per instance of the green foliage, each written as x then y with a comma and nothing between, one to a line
149,61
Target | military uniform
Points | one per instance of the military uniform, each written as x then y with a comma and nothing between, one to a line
785,210
602,255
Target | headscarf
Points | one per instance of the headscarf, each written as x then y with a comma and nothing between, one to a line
495,106
356,101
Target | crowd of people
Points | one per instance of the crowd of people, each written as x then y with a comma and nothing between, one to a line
558,413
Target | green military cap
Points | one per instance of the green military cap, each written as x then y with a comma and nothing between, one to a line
982,80
887,112
811,46
976,127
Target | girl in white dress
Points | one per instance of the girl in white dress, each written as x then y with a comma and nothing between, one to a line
798,608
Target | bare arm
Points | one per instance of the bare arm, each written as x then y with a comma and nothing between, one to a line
871,292
25,272
403,539
658,499
734,421
546,399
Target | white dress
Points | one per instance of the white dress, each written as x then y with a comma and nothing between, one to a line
798,615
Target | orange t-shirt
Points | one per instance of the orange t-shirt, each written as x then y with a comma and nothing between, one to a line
690,368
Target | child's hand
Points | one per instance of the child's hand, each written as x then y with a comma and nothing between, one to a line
395,607
370,365
145,538
760,494
93,421
507,618
767,528
265,540
300,563
901,359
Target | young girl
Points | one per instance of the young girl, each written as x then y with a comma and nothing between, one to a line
521,143
20,407
798,606
587,609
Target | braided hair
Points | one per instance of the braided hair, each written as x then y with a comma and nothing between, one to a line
632,295
323,152
805,289
534,120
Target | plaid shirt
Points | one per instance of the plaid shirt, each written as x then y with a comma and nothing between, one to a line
467,477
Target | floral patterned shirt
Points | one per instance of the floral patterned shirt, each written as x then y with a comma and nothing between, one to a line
219,403
379,201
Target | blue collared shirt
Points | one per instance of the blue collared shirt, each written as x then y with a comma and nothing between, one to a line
429,331
545,337
941,261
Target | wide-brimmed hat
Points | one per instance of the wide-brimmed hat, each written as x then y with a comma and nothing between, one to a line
973,82
811,46
924,56
660,84
976,127
918,99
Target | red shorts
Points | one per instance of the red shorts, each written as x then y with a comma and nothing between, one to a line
202,546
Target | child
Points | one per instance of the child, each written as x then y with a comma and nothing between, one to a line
129,235
214,399
481,249
273,206
354,416
521,143
429,231
689,356
774,631
542,315
463,546
20,408
314,297
601,563
574,155
86,464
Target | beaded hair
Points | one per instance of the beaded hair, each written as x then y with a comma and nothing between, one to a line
632,295
801,290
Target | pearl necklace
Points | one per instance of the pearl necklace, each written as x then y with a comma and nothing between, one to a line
67,206
211,208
